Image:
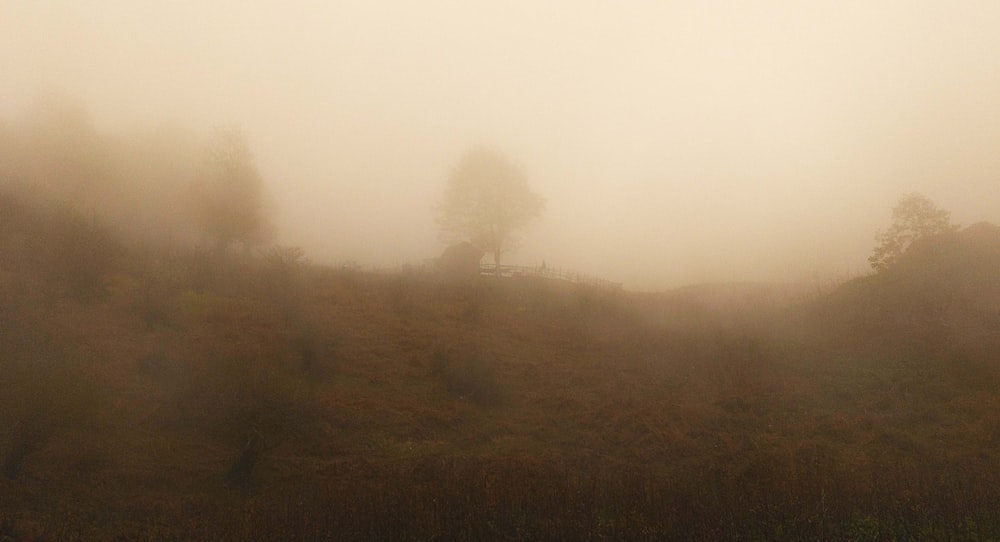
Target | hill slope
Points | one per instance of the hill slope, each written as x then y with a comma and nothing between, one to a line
177,395
943,292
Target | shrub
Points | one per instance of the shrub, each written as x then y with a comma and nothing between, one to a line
249,405
42,399
468,374
315,350
158,275
59,250
283,280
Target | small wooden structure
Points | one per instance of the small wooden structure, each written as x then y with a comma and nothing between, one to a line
460,261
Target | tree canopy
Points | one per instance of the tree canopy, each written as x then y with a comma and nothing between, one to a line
232,205
486,201
914,217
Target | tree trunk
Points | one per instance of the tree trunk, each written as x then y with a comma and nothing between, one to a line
496,262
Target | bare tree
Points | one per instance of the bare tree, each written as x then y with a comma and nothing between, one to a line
914,217
486,201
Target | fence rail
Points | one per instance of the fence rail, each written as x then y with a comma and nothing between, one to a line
547,273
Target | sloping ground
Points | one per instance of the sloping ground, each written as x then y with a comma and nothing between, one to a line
176,395
944,294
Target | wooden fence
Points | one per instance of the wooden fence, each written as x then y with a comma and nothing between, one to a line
547,273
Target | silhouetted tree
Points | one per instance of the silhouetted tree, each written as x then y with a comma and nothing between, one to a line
231,206
914,217
486,200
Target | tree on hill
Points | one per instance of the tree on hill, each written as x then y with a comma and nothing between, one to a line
914,217
231,201
486,201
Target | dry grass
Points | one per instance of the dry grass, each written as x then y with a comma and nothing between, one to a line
352,406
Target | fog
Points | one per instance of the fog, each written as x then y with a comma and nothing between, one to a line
675,142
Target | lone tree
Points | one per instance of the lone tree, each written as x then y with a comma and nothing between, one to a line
914,217
486,201
231,200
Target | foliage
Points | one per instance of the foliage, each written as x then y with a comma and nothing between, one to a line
56,150
43,399
79,253
913,218
231,200
56,251
282,274
624,417
944,291
486,201
247,403
468,374
138,181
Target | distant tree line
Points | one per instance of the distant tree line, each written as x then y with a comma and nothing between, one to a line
169,184
147,184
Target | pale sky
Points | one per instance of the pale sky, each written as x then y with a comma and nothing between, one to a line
676,142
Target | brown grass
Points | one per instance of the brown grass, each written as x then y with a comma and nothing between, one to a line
352,406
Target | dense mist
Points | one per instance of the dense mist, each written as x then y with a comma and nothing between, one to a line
674,142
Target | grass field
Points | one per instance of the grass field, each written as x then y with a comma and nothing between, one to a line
183,395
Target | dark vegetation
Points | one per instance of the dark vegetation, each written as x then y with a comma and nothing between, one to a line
487,201
181,394
155,389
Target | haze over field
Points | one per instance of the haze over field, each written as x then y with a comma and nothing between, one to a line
675,142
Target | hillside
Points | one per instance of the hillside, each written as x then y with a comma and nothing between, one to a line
944,292
168,393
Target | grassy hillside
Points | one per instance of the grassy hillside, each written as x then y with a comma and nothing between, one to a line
173,394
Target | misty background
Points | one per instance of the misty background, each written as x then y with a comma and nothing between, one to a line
675,142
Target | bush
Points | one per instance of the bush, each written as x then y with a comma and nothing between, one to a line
315,350
282,275
249,405
42,399
158,275
83,253
57,250
471,375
